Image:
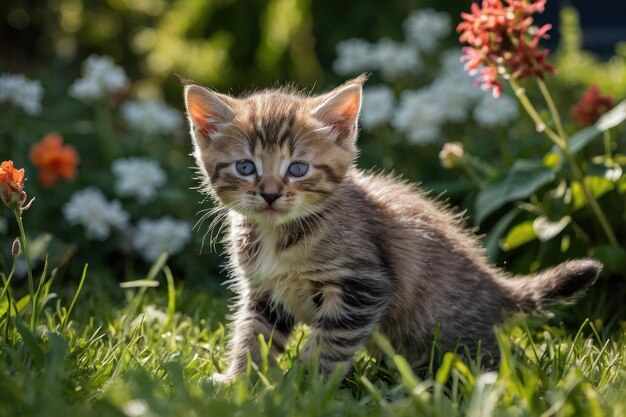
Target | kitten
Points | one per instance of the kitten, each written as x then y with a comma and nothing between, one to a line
314,240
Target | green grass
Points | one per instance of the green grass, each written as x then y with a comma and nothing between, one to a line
150,354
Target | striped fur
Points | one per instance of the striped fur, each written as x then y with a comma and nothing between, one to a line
344,251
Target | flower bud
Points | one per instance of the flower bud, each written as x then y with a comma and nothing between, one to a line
451,154
15,248
11,187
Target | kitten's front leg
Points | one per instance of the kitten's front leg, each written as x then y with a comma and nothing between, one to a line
255,316
347,313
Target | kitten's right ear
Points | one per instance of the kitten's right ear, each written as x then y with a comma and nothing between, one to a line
206,111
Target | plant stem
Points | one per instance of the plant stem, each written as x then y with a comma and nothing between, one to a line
590,198
608,145
578,172
541,126
31,287
469,170
8,281
560,140
553,110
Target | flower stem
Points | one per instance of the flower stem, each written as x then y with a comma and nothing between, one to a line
578,172
560,140
608,146
31,287
471,173
553,110
520,93
593,203
8,282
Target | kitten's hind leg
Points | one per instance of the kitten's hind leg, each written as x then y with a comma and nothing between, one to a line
255,316
347,313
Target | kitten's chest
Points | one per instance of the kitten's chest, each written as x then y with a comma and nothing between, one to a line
279,274
260,258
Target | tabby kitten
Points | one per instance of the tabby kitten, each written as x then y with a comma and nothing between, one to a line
315,240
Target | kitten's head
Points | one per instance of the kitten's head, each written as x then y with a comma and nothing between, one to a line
276,155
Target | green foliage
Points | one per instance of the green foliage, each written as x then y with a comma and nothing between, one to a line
579,67
523,179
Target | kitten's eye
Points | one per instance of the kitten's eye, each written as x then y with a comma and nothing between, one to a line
245,167
298,169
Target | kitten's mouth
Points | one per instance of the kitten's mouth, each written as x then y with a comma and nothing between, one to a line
271,211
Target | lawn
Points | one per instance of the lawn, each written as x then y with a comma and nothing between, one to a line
150,351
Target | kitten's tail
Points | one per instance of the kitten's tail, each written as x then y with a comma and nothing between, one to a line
564,282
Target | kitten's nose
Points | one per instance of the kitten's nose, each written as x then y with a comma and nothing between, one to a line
270,197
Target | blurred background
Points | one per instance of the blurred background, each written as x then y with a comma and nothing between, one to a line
417,100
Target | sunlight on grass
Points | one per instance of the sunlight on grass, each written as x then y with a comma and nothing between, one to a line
147,357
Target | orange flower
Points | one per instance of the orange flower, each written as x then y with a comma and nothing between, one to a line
591,106
11,187
54,160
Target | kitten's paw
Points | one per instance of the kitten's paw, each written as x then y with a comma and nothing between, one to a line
221,379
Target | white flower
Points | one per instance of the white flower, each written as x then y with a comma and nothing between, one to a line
150,117
353,56
153,237
451,61
394,59
387,56
419,115
425,28
21,92
91,209
451,100
101,77
138,177
378,106
492,111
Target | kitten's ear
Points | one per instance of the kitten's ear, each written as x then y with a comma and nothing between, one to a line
340,108
206,111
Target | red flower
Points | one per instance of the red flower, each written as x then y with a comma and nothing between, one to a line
503,40
591,106
12,187
54,160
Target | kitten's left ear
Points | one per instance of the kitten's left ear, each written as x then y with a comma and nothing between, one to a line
340,108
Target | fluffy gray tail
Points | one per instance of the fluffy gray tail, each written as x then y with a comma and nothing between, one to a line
564,282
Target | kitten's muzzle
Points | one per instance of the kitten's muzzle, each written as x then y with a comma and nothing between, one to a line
270,197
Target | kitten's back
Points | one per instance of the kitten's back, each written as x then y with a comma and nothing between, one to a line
441,275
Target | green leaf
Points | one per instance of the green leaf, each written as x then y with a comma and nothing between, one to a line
408,377
613,258
524,178
30,342
157,266
492,243
140,283
610,119
546,230
518,235
598,186
22,303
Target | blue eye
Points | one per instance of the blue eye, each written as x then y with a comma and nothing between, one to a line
298,169
245,167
